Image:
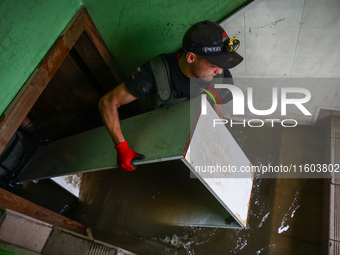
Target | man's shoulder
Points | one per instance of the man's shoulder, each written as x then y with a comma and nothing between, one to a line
170,58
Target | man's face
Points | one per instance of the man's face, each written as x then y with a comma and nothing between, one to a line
204,69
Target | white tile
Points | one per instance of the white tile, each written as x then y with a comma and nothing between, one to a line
275,13
336,99
318,53
298,39
237,23
321,14
268,52
323,91
262,94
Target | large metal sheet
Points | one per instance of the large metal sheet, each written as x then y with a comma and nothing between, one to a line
160,194
213,156
163,136
160,135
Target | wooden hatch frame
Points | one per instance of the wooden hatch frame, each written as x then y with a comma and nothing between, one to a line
41,76
30,92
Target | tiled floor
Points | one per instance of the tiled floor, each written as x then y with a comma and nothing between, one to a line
297,215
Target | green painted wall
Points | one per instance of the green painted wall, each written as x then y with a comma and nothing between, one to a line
27,31
133,30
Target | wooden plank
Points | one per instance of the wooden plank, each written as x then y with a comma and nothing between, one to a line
69,103
39,79
32,89
99,43
23,206
77,85
89,54
67,90
50,100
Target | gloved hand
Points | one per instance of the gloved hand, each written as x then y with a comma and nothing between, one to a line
126,156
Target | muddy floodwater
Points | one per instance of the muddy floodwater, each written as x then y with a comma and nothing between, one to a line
285,213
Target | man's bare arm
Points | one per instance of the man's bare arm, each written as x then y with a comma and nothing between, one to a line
218,109
108,107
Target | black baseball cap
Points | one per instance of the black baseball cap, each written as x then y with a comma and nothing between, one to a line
208,39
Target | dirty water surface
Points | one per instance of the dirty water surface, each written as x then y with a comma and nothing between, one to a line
284,217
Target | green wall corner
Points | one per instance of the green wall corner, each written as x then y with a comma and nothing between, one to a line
28,29
134,31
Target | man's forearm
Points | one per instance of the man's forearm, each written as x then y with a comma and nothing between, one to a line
219,110
110,116
108,107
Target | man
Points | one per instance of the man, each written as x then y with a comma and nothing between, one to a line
208,52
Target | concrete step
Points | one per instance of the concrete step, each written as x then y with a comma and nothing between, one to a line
20,234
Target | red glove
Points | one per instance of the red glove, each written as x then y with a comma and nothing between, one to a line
125,156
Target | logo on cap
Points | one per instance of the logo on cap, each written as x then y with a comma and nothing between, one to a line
225,37
212,49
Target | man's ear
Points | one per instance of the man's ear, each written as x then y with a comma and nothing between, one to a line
191,57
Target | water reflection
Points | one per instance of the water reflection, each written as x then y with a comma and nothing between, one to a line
285,214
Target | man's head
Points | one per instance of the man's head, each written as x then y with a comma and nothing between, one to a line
197,66
209,40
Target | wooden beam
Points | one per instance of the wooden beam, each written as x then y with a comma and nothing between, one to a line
37,82
105,80
99,43
23,206
39,79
